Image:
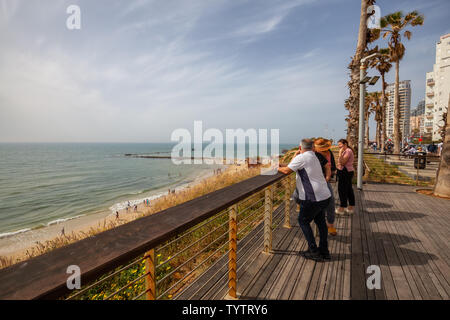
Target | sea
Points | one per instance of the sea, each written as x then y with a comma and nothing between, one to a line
42,184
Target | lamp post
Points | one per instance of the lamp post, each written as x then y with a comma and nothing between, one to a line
363,79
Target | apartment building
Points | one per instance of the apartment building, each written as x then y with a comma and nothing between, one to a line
405,106
438,89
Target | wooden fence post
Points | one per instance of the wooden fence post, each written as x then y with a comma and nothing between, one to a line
232,267
150,280
287,202
268,207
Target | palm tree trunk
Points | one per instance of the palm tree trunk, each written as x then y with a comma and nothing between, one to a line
397,109
383,111
442,186
353,100
378,134
366,142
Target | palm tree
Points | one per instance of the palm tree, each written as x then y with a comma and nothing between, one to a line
442,186
351,104
392,25
376,108
368,107
382,64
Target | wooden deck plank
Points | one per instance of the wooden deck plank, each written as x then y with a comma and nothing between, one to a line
325,281
402,221
358,285
397,240
387,281
394,228
257,283
336,271
285,274
413,257
430,275
347,256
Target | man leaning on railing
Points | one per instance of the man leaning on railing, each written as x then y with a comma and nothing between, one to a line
313,195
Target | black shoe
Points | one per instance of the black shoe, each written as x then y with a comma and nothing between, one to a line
310,254
325,256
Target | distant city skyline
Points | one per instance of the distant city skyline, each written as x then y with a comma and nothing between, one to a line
138,70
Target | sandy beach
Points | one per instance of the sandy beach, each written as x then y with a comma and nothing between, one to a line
16,246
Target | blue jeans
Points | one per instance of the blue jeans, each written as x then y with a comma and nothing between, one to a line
310,211
331,206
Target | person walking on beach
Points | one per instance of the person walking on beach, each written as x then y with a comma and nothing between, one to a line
322,148
117,215
314,197
345,174
63,232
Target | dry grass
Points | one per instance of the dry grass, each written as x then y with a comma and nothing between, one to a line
231,175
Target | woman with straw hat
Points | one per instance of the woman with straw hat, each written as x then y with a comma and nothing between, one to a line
322,147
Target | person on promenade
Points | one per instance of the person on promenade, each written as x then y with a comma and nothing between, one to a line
345,174
314,197
322,147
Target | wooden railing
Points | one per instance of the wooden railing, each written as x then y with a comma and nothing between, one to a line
156,256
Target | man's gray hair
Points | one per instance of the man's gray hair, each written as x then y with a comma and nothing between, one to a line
307,144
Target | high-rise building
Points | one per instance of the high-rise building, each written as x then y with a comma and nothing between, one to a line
405,105
416,120
438,88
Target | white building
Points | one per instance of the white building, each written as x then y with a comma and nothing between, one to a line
438,88
405,105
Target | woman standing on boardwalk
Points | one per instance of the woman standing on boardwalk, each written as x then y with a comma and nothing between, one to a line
322,146
345,175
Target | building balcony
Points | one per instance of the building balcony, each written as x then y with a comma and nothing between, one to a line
430,94
429,105
429,116
430,82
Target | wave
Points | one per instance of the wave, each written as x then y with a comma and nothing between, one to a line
57,221
9,234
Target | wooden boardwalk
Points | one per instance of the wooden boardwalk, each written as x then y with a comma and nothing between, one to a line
404,233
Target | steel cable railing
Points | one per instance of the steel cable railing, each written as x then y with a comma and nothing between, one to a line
167,269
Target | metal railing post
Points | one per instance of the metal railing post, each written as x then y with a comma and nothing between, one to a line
150,279
268,206
287,202
232,267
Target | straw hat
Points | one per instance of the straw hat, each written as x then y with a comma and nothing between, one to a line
322,144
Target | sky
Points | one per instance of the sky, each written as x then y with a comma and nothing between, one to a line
137,70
